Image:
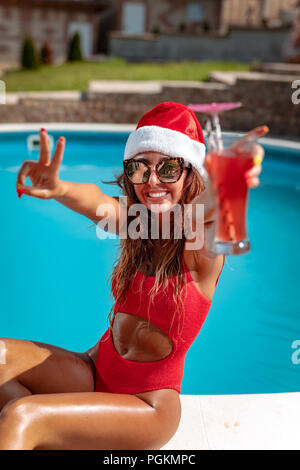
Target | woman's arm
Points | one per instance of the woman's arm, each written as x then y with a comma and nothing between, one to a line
84,198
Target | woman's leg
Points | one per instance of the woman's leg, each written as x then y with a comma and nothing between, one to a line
30,367
37,385
97,420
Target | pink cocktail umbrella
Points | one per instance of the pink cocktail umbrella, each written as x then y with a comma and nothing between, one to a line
214,109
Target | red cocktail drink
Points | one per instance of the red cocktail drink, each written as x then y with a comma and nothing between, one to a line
228,170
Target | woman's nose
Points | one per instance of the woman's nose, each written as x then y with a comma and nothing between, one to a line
153,178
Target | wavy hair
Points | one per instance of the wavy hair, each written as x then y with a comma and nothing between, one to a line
135,255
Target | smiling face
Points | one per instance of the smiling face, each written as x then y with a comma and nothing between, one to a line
158,197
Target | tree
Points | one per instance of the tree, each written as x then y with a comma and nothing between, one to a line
74,52
30,58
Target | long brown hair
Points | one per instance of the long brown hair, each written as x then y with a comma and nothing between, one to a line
136,254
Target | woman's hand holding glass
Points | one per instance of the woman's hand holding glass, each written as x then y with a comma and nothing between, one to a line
251,175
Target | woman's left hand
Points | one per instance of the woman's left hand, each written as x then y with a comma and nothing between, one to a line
251,175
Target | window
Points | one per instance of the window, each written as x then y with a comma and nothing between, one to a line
134,18
195,12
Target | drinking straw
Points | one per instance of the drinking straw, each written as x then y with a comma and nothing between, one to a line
211,143
217,126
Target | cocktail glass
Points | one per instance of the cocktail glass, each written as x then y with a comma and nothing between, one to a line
227,167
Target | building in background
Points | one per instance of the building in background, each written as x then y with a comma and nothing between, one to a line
51,20
257,13
232,30
96,21
146,16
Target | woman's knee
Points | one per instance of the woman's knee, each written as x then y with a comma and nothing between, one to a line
17,419
7,347
12,358
6,353
8,408
3,351
11,349
10,388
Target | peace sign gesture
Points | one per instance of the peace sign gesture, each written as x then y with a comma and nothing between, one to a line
43,174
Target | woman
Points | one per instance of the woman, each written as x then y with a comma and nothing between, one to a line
123,393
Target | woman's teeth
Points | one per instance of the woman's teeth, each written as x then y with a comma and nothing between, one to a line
154,195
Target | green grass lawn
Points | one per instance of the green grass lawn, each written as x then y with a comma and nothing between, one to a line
75,76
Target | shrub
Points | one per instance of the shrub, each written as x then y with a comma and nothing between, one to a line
74,52
206,26
30,59
46,54
156,29
182,27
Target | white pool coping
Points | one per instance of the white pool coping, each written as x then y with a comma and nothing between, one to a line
289,144
238,422
68,126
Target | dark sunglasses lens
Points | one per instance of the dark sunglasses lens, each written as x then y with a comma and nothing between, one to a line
137,172
169,172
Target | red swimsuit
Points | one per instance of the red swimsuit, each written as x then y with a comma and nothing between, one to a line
119,375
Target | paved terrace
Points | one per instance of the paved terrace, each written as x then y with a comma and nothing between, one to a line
238,422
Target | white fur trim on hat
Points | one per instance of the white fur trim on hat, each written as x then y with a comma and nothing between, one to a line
167,141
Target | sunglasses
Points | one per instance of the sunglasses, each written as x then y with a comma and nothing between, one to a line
167,171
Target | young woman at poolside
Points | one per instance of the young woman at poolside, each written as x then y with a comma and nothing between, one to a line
123,393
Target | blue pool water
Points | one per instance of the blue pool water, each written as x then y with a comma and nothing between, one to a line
54,271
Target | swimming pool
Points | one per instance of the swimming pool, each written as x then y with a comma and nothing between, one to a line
55,269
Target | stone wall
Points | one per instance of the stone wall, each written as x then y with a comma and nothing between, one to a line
265,101
244,45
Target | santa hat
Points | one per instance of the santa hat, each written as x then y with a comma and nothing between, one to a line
169,128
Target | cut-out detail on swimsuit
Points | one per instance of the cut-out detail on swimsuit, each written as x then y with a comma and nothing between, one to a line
144,343
135,341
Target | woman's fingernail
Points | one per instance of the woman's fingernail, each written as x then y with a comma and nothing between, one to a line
20,191
43,130
257,159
